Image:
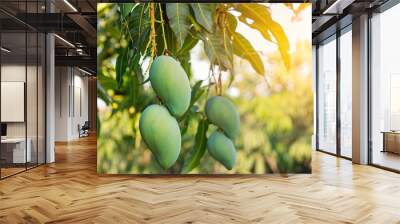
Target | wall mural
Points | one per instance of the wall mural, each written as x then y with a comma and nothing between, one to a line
204,88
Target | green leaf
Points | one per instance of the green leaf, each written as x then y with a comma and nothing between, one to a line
262,21
189,43
126,8
107,82
186,65
231,22
138,28
184,125
171,40
178,20
217,49
199,147
121,66
134,65
243,49
134,84
204,13
98,124
102,94
197,91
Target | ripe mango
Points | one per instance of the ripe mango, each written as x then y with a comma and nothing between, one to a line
222,112
160,131
171,84
222,149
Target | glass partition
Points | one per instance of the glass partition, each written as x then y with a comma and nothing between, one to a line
14,145
346,93
22,95
327,95
32,96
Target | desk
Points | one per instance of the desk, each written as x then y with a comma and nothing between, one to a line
391,141
18,149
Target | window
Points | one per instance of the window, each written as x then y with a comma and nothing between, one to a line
346,92
327,96
385,89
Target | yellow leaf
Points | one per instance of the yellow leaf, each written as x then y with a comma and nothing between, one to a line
258,17
243,48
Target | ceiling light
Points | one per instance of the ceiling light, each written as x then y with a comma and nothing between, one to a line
5,50
84,71
80,51
70,5
331,7
337,7
64,40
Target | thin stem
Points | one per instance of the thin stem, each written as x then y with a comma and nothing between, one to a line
220,82
142,14
153,31
147,45
196,26
125,22
215,80
162,27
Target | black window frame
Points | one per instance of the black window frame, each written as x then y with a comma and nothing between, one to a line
332,37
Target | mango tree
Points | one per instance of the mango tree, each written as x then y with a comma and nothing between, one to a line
132,36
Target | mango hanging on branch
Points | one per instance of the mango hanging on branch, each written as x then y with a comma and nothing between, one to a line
222,149
222,112
161,133
171,84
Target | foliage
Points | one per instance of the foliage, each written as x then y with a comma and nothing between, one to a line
131,35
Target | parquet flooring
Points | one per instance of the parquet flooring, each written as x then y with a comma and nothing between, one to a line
70,191
10,171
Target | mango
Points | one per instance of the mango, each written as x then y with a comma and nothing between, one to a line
222,149
222,112
171,84
160,131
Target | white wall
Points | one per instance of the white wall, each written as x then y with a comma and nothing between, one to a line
71,94
80,110
13,101
61,103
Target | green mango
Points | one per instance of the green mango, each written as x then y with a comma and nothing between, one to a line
222,149
171,84
222,112
160,131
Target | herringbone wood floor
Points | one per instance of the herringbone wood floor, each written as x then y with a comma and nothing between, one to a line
70,191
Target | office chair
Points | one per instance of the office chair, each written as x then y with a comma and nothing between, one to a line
84,130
